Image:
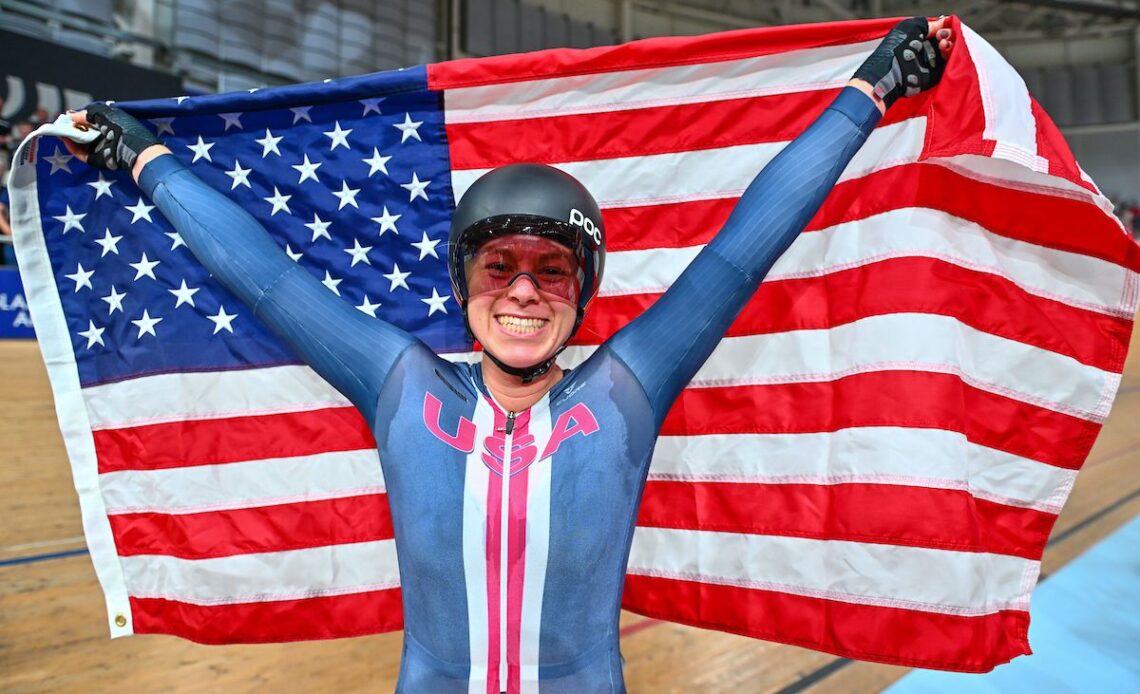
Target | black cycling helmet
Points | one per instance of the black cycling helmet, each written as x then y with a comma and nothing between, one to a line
530,199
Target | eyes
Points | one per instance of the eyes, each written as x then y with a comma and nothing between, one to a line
553,271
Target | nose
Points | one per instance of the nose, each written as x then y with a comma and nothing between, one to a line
523,289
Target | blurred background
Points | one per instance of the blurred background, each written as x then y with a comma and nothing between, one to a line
1079,57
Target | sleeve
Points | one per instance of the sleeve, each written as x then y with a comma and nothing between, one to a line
666,345
352,351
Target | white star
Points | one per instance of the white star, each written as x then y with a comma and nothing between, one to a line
307,170
253,89
397,278
319,228
201,150
60,161
426,247
377,162
180,99
331,283
71,220
301,113
369,307
102,187
346,195
109,243
387,222
359,253
371,105
163,125
141,210
239,175
145,267
415,188
294,256
269,144
175,239
146,324
222,320
233,119
435,302
94,335
114,300
338,137
409,128
82,277
184,294
279,202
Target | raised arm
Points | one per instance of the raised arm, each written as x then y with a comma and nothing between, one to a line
349,349
666,345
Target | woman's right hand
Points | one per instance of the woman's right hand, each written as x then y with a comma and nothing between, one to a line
124,143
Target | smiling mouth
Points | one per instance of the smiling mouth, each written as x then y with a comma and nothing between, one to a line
518,325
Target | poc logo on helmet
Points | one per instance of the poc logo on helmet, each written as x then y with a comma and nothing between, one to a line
587,224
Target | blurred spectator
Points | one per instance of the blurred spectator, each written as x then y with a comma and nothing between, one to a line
5,124
9,255
1130,216
22,130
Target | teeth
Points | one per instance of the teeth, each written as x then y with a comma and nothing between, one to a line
521,325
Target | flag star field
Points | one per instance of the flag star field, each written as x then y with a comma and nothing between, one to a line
358,192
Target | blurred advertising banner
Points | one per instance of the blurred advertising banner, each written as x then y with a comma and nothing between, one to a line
52,76
15,321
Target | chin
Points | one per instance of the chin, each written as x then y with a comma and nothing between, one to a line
518,356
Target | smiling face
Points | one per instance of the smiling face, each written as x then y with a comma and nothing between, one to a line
523,297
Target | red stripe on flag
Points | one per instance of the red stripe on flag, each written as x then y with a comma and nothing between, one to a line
950,519
275,528
980,300
231,439
916,399
324,617
649,53
881,634
646,131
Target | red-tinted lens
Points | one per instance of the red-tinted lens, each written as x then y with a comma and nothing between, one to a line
500,261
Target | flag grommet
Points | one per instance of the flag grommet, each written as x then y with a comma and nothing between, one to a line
120,620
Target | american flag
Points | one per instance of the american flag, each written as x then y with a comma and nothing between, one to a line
869,464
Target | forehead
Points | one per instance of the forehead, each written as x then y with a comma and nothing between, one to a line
526,245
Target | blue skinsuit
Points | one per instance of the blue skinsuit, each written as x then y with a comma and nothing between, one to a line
514,582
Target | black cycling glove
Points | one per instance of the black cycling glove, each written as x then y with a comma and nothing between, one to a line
123,138
905,63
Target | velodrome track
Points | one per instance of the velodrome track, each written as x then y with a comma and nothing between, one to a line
52,623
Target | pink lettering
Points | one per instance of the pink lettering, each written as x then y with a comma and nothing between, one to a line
464,438
577,420
523,452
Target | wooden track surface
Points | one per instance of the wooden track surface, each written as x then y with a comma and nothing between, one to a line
53,634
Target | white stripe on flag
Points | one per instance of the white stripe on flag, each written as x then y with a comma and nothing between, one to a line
267,482
931,580
1005,101
1072,278
873,455
209,395
912,341
289,575
794,71
706,174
